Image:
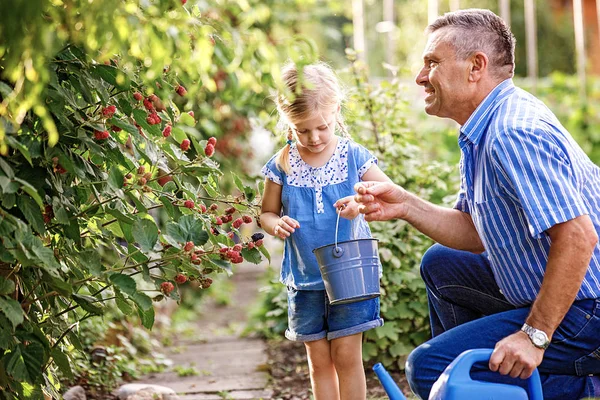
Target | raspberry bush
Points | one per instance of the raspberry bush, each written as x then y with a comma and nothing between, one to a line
112,116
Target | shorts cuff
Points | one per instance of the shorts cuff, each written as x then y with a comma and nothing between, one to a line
294,337
355,329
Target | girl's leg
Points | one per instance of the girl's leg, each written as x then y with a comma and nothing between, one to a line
323,376
346,353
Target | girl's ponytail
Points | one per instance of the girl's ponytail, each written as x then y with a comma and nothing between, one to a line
283,158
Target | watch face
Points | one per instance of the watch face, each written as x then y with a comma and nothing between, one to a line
539,339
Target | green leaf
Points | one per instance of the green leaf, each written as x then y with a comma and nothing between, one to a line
7,339
12,310
7,169
147,317
120,216
87,303
115,178
252,255
125,283
62,361
173,211
32,213
6,286
193,230
15,144
265,253
30,190
178,134
145,233
62,287
61,216
91,260
123,303
187,119
112,75
24,363
45,255
140,117
142,300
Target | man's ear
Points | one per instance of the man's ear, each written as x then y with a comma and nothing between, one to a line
478,66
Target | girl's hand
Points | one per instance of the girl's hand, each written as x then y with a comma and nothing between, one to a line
347,207
285,227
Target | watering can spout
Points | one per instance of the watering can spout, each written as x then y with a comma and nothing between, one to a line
392,390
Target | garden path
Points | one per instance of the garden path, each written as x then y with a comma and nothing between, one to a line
229,366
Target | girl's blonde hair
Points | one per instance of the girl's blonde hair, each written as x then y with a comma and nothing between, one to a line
314,89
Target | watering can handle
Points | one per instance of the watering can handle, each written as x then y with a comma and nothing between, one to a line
462,365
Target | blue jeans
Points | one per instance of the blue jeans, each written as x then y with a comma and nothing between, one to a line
311,317
468,310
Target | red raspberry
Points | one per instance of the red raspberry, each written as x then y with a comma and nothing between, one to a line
214,206
191,114
203,208
167,287
218,221
181,90
152,97
142,181
229,218
153,119
138,96
148,105
183,2
141,170
209,150
101,135
238,260
116,128
180,278
185,144
259,242
251,245
189,246
108,112
167,131
212,140
188,204
223,250
237,247
237,223
247,219
128,176
230,210
230,235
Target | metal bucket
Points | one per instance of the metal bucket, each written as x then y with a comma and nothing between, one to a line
350,269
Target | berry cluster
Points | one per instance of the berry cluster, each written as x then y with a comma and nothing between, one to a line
101,135
109,111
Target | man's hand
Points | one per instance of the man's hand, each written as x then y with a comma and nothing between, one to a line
380,201
516,356
347,206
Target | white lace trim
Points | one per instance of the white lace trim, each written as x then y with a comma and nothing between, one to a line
362,170
271,175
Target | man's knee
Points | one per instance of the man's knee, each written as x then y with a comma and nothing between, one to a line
417,371
435,259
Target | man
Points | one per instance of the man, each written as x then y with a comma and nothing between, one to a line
529,199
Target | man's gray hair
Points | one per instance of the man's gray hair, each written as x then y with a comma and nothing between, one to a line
473,30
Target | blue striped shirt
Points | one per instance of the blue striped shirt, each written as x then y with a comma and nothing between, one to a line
522,173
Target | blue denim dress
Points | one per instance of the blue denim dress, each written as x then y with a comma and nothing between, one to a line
308,195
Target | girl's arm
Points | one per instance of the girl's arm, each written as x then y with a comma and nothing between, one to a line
350,207
270,219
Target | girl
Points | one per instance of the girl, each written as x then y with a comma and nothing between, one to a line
307,183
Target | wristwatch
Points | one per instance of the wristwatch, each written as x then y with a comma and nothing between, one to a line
537,337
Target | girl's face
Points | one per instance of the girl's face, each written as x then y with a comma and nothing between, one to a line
315,133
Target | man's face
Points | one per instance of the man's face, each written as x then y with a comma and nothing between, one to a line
444,78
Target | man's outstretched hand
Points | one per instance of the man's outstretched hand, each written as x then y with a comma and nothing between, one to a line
380,201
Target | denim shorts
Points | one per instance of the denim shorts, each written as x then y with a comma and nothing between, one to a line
311,317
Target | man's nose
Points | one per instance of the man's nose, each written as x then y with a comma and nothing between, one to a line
421,77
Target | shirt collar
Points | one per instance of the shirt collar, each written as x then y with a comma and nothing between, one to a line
473,129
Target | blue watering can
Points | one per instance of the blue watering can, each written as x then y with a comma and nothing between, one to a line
455,383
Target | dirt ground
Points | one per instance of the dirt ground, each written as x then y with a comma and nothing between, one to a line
290,379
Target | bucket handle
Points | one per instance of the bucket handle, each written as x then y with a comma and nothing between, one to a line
338,251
